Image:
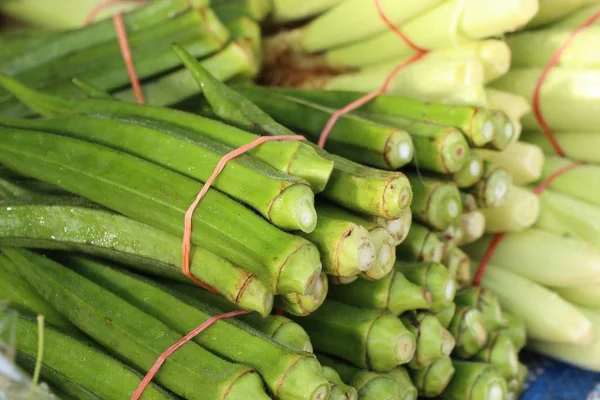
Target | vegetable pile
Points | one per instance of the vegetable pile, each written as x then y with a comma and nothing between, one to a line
352,262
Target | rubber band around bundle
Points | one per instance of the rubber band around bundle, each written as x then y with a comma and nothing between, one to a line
123,45
538,190
537,111
163,357
420,53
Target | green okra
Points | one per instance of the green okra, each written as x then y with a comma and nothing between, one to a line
492,190
286,201
486,302
67,363
515,330
347,392
437,148
472,227
341,280
160,197
445,314
501,354
12,191
134,335
245,30
373,144
421,244
468,328
370,339
288,374
459,265
470,173
383,243
255,9
504,129
397,227
476,123
71,41
473,381
90,90
406,389
436,203
23,297
71,226
469,202
278,327
235,60
294,158
433,276
433,340
393,292
346,248
432,380
299,305
369,385
383,194
516,385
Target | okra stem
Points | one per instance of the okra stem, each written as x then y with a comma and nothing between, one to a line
470,173
492,190
445,314
421,244
299,305
469,330
432,380
486,302
435,202
397,227
473,380
433,340
433,276
501,353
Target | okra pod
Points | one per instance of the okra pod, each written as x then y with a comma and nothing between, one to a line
473,381
160,197
67,362
470,173
282,199
436,203
294,158
445,314
23,297
134,335
278,327
382,241
475,122
397,227
469,330
288,374
346,248
437,148
348,392
366,338
501,354
485,301
406,389
297,304
393,292
369,385
432,380
492,190
105,234
12,191
421,244
373,144
433,276
515,330
433,340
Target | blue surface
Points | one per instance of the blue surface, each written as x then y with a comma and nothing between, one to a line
552,380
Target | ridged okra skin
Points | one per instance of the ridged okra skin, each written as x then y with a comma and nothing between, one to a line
476,123
345,392
41,224
501,353
294,158
406,389
433,340
468,328
159,197
445,314
432,380
369,385
284,200
473,380
371,143
366,338
288,374
486,302
393,293
134,335
278,327
68,361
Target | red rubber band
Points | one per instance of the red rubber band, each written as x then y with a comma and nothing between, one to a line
420,53
537,110
538,190
163,357
187,233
